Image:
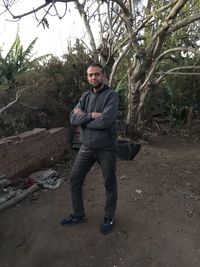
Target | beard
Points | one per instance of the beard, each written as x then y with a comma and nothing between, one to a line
96,85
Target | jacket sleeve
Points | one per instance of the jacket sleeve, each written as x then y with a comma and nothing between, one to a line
109,114
80,119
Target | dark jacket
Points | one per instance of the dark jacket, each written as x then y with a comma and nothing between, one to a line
98,133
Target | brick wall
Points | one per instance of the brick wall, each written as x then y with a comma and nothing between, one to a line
29,151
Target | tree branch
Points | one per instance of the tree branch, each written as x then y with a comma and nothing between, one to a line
18,94
157,60
36,9
27,106
163,31
173,71
125,50
83,15
179,5
150,16
184,22
29,12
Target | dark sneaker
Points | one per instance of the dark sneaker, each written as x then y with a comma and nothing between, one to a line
71,220
107,226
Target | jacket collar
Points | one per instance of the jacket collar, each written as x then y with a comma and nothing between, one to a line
100,90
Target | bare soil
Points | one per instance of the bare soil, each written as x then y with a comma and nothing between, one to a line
157,220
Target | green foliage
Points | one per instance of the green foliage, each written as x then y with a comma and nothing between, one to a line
122,89
120,83
11,125
174,97
52,90
17,61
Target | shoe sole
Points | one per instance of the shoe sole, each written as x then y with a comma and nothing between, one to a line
74,223
105,233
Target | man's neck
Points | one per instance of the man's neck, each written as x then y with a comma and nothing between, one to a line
95,90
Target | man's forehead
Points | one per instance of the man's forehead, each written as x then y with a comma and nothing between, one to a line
94,70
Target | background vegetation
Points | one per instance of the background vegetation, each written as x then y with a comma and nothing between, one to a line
150,49
50,88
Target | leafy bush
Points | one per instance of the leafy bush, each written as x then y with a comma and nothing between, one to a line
51,91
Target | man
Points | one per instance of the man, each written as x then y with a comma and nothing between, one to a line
96,114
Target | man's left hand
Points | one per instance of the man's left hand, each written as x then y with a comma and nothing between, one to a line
78,111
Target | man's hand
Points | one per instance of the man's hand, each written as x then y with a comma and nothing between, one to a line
78,111
96,115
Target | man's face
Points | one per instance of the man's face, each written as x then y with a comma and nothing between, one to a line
95,77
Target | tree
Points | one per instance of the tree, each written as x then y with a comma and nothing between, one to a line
154,41
150,33
46,93
16,62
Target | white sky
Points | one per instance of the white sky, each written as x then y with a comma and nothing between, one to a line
53,40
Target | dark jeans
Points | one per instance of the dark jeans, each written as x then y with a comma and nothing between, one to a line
85,159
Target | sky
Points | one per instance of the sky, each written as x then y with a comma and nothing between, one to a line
54,40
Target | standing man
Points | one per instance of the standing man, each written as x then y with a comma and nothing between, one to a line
96,114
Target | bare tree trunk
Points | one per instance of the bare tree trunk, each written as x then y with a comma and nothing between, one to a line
137,92
133,102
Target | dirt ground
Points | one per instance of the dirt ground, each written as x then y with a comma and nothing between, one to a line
157,220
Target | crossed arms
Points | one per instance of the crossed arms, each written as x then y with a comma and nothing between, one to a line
96,120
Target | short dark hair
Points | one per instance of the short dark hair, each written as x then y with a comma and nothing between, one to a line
95,64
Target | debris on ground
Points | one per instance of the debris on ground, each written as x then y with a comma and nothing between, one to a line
48,179
4,182
10,194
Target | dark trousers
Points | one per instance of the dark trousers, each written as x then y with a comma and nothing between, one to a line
85,159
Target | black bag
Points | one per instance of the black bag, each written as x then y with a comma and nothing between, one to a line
127,150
